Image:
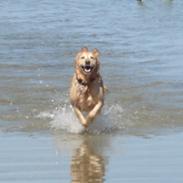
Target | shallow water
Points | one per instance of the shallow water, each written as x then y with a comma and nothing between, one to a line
83,158
141,60
141,64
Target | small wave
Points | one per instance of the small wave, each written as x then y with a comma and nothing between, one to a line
64,118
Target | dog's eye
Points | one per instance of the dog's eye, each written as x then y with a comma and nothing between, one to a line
83,57
92,57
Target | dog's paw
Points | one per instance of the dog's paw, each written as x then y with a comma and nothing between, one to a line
85,125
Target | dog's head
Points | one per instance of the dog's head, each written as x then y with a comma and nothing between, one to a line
86,62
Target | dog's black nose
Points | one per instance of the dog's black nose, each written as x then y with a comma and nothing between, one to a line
87,62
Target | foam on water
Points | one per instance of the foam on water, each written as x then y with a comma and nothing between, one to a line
64,118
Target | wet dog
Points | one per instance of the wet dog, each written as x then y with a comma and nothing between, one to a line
87,89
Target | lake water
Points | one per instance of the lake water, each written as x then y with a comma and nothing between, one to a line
141,64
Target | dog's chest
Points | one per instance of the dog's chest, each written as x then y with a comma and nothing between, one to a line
87,98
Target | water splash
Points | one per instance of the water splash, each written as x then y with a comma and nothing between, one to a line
64,119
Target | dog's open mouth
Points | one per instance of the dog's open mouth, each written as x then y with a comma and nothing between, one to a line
87,68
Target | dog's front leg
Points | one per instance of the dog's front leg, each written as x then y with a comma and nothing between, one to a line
92,114
80,117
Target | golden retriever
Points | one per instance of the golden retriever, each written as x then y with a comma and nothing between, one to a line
87,89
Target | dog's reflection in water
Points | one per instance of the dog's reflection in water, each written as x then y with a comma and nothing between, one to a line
86,165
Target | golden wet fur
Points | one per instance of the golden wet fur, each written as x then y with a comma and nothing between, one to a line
87,90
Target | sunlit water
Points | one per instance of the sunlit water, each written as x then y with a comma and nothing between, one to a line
142,65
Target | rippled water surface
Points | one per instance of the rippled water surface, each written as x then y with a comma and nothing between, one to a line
141,56
141,64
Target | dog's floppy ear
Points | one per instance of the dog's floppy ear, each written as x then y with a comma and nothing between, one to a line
84,49
96,53
76,58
